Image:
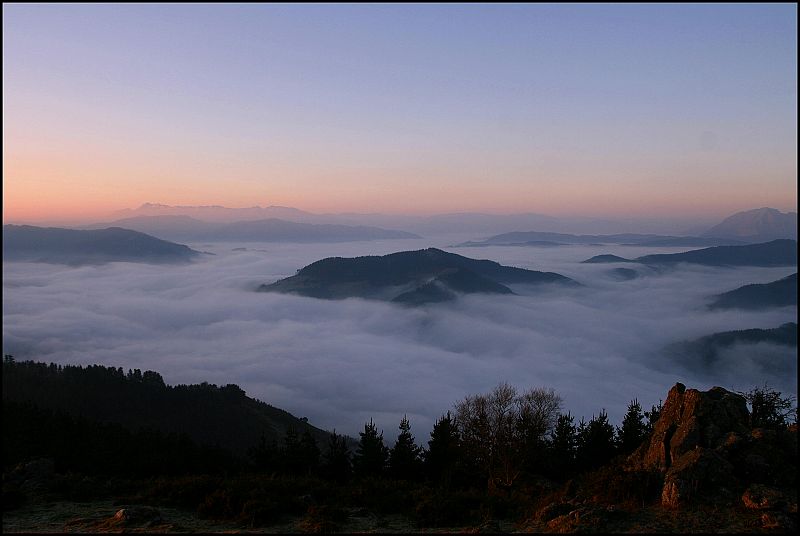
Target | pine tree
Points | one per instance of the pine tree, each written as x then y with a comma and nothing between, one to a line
596,442
443,451
292,453
652,416
336,463
632,432
309,453
371,453
563,445
266,456
404,458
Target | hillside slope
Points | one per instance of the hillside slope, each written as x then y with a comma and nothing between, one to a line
778,293
210,415
76,247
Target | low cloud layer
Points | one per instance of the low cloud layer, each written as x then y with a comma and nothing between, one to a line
340,363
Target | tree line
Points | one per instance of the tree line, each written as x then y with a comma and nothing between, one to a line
494,439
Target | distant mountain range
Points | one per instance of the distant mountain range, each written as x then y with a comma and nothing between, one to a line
759,225
408,277
705,353
76,247
458,222
215,213
780,293
535,238
186,228
775,253
752,226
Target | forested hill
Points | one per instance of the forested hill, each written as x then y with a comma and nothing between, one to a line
210,415
76,247
780,293
775,253
410,277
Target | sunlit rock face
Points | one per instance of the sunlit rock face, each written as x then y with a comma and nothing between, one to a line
688,440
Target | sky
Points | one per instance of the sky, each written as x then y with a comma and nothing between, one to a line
595,110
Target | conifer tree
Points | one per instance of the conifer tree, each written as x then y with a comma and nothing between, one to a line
266,456
632,432
336,463
563,445
371,453
442,455
292,453
404,458
309,453
651,418
596,442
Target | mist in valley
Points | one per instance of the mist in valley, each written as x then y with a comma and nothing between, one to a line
342,362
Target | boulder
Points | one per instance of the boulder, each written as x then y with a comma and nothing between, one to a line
554,510
759,497
779,521
690,440
692,419
587,518
137,515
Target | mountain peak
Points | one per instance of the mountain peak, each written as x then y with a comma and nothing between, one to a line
757,225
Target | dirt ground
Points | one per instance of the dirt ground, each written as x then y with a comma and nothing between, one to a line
83,517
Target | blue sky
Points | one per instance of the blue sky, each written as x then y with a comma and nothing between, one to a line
561,109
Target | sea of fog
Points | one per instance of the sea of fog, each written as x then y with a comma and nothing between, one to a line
340,363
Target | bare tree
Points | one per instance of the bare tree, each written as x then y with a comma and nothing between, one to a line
499,430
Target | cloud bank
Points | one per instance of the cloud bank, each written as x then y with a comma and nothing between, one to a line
340,363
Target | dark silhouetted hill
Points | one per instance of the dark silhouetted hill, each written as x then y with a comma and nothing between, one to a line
775,253
706,352
607,258
428,275
211,416
781,252
69,246
778,293
536,238
688,242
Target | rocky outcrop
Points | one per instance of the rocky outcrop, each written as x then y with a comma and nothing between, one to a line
692,419
585,519
689,440
696,472
704,447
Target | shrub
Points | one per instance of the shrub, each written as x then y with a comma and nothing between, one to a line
612,484
322,520
260,512
442,509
